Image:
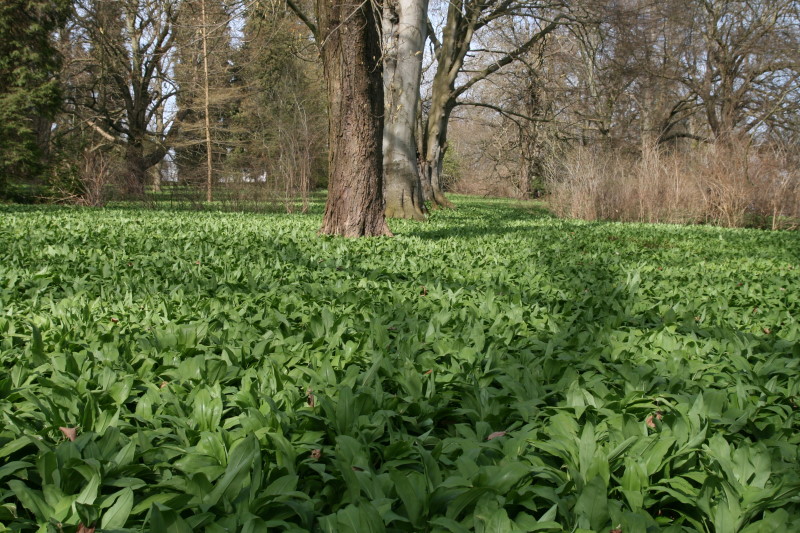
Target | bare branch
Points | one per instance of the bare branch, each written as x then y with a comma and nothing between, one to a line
504,111
305,18
432,36
509,58
103,132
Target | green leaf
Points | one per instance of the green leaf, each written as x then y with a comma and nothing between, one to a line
165,520
117,515
497,522
363,518
17,444
126,455
772,522
88,514
31,499
240,461
587,448
207,409
656,452
89,493
286,453
410,486
282,485
37,347
502,478
464,501
591,508
549,515
449,525
12,467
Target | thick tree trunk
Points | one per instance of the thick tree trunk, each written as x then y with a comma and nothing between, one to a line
159,167
351,59
136,170
137,164
404,29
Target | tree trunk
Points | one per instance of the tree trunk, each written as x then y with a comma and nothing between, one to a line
351,59
435,147
404,29
450,54
138,162
206,102
159,167
136,167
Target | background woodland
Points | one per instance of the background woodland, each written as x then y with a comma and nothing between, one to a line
671,111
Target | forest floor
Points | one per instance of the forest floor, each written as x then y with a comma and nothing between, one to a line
491,369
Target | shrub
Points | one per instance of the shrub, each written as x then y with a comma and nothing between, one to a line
732,184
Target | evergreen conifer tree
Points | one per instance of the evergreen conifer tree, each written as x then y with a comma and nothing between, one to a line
29,87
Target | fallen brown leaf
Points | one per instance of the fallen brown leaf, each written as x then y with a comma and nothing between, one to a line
650,419
310,396
70,433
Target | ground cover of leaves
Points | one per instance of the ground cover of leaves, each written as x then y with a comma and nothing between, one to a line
491,370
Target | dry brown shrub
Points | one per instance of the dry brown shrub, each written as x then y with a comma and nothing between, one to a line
775,199
91,180
728,184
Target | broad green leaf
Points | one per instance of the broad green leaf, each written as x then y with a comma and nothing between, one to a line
117,515
166,520
89,493
591,507
37,346
240,461
410,486
31,499
207,409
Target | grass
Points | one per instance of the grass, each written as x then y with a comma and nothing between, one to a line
493,369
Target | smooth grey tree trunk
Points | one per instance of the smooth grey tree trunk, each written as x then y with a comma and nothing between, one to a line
404,32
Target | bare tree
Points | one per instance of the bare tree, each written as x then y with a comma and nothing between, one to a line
624,86
129,45
203,72
743,62
451,80
206,100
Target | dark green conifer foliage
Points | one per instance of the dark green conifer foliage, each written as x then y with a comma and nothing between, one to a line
29,87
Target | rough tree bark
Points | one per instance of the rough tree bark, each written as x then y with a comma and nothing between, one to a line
349,41
138,161
404,31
